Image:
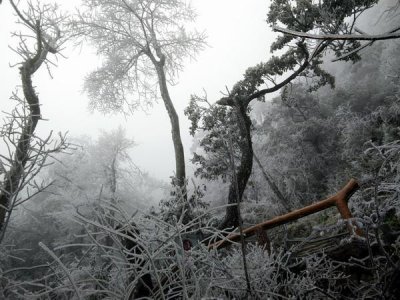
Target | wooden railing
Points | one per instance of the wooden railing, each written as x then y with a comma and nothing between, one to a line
339,200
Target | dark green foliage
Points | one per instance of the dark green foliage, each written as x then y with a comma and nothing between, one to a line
323,17
219,126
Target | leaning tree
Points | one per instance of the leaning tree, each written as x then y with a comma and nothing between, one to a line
143,44
311,29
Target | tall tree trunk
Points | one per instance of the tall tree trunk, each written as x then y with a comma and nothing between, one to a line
12,178
175,128
236,190
113,190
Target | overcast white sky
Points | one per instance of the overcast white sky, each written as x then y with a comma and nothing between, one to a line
238,37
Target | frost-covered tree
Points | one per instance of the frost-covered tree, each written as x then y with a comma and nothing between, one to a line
301,58
100,169
39,37
143,45
111,151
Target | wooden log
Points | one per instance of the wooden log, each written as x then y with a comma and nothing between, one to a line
339,200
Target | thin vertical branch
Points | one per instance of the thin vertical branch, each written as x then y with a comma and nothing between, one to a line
273,186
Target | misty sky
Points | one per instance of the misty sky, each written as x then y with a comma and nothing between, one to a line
238,38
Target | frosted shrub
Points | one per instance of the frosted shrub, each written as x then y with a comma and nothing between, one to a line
142,256
275,276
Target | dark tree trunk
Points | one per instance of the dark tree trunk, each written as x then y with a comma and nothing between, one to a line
236,190
144,287
12,178
175,128
241,103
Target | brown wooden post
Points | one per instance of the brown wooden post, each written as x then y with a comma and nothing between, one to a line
344,211
343,208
